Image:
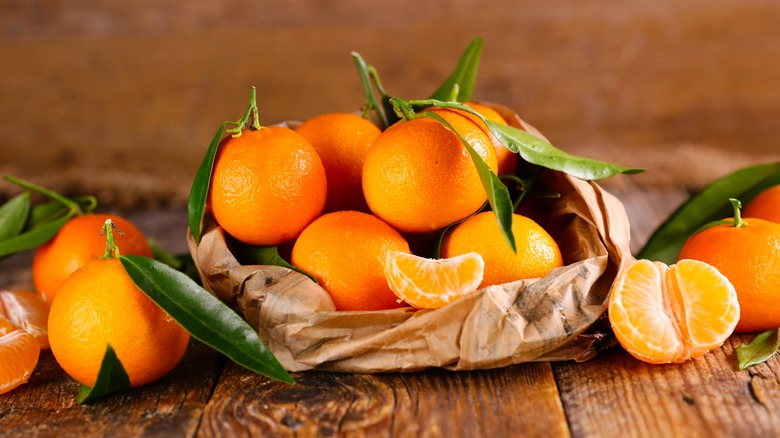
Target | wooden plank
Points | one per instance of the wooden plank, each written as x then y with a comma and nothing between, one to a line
617,395
521,399
172,406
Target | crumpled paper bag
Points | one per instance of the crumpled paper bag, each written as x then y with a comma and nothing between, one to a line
558,317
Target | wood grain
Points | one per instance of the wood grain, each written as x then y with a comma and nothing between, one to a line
46,405
516,400
617,395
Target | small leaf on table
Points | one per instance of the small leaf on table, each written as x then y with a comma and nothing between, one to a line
759,350
13,215
204,316
111,378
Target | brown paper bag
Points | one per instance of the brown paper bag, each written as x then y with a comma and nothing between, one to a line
552,318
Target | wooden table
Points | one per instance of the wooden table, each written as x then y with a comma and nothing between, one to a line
610,395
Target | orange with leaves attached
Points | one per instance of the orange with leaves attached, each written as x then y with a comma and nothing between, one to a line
99,305
78,242
267,185
747,252
342,141
419,177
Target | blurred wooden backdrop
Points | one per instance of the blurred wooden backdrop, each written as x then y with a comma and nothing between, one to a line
122,98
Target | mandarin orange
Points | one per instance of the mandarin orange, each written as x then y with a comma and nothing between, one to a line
537,252
78,242
267,185
346,252
766,205
342,141
749,256
419,177
99,305
669,314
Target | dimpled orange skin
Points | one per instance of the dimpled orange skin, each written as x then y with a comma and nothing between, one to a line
766,205
346,252
341,140
78,242
267,186
419,177
750,258
537,253
507,160
100,304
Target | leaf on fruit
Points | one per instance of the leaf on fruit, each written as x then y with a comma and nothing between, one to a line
13,215
111,378
464,78
196,206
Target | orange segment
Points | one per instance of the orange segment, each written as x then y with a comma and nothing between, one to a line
27,311
20,352
669,314
6,326
430,284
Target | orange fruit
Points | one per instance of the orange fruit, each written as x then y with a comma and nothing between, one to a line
429,284
507,160
750,258
99,304
766,205
26,311
19,352
537,253
78,242
418,176
669,314
267,185
341,140
346,252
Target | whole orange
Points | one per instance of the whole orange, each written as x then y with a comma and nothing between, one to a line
507,160
346,252
419,177
537,252
750,258
341,140
267,185
766,205
78,242
98,305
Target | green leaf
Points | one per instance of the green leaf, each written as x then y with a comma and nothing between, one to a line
759,350
497,193
464,78
710,204
53,210
111,378
33,238
204,316
537,151
266,255
371,102
196,206
13,215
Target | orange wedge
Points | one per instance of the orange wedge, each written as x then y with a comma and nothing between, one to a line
27,311
6,326
430,284
19,352
669,314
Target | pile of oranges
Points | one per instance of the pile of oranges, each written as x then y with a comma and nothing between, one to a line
348,198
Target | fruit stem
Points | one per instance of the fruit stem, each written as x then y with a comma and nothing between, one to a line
454,93
112,250
73,206
367,73
251,111
738,222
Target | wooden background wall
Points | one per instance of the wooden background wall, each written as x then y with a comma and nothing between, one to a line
121,98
